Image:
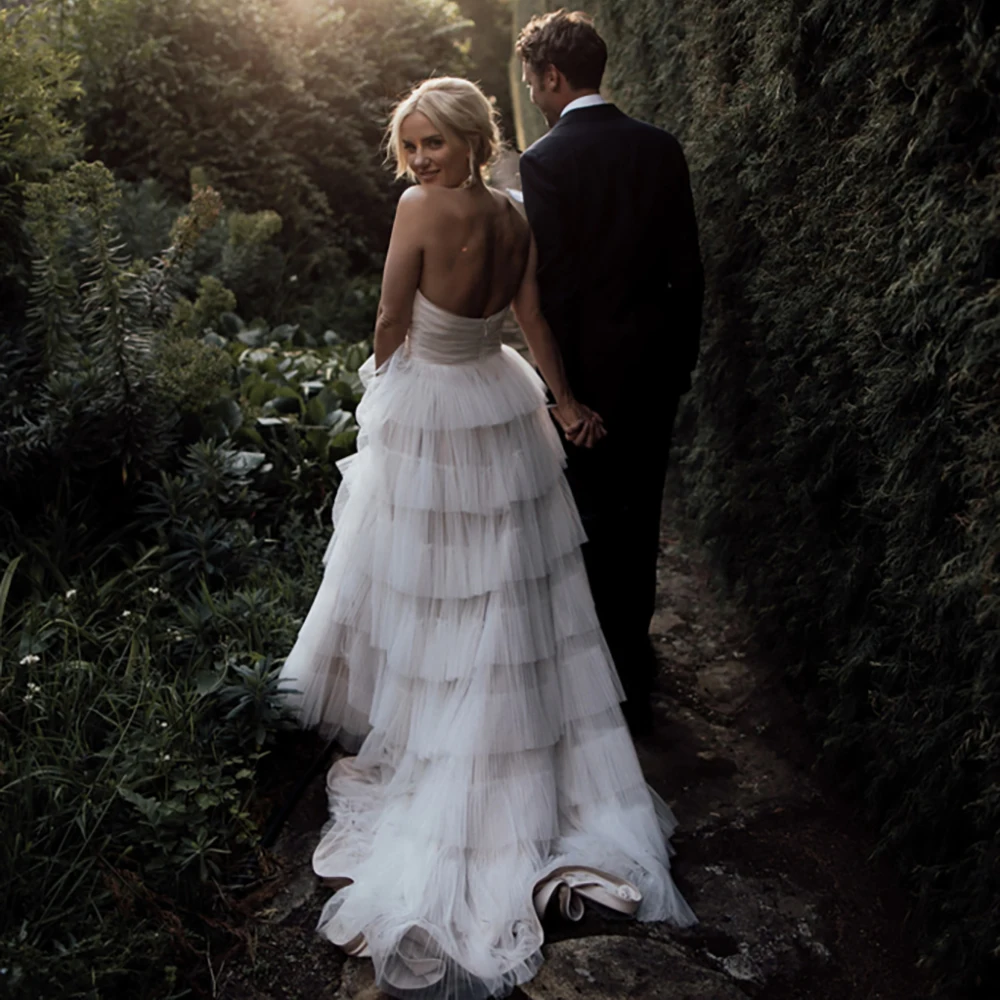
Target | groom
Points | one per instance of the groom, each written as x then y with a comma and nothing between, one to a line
621,282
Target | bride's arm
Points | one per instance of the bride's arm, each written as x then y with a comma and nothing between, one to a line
580,424
400,276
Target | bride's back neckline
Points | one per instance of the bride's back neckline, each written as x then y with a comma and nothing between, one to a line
459,316
471,245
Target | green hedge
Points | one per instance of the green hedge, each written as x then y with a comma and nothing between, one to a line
841,448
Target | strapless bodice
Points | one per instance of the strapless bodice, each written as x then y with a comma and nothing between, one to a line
445,338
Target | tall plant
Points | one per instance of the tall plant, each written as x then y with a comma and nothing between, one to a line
84,413
37,82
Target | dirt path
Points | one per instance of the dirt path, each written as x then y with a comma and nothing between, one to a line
774,863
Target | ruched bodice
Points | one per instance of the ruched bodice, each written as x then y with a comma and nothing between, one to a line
445,338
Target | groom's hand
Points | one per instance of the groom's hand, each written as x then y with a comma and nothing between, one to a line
588,433
581,426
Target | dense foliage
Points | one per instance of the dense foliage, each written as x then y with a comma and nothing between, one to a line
281,105
167,477
168,439
490,53
842,447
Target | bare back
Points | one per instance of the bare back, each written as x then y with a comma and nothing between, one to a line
475,251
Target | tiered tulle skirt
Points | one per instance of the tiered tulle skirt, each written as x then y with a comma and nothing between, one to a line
454,644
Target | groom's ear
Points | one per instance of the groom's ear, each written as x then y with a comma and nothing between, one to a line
553,78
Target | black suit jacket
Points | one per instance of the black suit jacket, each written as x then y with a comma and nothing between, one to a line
620,272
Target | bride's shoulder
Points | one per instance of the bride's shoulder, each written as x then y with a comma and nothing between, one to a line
426,201
413,198
420,209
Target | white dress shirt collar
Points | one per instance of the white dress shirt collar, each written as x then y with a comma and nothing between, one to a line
587,101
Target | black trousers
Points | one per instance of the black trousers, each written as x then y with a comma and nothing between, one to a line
618,488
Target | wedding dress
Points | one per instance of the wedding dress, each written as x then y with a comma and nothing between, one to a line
454,644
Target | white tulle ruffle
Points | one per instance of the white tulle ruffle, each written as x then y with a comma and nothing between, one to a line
454,644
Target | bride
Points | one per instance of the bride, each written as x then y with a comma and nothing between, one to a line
453,642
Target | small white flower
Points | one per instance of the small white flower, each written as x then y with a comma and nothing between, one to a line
29,659
34,688
165,756
70,594
163,725
28,699
153,590
125,614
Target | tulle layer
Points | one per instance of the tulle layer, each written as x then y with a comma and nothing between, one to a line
454,643
497,389
442,854
457,554
497,707
520,621
453,470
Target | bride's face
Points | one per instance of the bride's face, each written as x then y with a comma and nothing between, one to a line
435,158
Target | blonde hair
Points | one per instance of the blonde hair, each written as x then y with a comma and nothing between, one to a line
456,108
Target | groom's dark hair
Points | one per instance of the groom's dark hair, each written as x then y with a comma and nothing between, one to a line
567,40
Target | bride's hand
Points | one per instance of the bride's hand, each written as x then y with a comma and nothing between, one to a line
581,425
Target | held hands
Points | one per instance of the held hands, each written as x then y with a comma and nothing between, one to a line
581,425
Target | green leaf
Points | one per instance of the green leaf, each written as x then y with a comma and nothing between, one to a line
348,387
231,325
336,420
285,402
284,332
214,340
245,462
252,337
319,441
208,681
260,393
150,808
355,357
315,411
345,439
227,413
5,583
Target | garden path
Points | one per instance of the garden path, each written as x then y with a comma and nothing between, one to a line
775,863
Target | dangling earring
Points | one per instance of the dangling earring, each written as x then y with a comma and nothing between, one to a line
470,181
